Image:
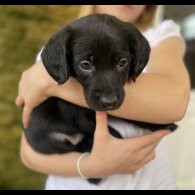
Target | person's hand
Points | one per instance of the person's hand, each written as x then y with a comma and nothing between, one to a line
111,156
32,90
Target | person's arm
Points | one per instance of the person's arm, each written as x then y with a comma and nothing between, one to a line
138,152
159,96
163,92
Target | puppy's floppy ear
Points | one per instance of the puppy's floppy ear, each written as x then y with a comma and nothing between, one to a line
139,50
54,56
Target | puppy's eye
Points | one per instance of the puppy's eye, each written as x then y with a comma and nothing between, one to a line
85,65
123,63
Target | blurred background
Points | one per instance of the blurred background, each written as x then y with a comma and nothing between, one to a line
23,31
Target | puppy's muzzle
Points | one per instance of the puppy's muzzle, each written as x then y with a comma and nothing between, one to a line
108,102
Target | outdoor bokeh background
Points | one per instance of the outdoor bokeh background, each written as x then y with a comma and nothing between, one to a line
23,31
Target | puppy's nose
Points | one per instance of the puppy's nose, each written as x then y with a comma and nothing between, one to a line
108,102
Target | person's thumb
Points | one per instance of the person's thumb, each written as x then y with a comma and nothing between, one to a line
26,116
101,124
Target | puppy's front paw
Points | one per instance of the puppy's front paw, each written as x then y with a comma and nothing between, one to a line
94,181
172,127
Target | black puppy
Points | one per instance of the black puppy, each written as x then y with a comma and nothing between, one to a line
102,53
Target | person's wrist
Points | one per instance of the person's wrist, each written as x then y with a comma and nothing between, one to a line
88,167
47,82
92,169
50,89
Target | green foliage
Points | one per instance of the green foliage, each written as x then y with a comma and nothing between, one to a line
23,31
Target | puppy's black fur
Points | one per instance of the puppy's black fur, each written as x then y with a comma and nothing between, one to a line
102,53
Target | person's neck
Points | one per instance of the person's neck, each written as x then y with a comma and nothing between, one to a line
141,28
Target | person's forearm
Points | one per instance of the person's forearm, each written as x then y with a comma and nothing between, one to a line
144,99
154,98
61,165
99,163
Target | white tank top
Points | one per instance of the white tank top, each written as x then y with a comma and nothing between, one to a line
156,175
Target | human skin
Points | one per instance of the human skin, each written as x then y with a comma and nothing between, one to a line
138,151
159,96
126,13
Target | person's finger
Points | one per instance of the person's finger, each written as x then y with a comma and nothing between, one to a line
150,139
147,159
149,149
26,116
145,152
101,124
141,163
19,102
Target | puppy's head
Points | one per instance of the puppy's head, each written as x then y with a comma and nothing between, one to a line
102,53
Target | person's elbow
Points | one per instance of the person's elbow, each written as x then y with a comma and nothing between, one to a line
24,158
25,154
180,103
